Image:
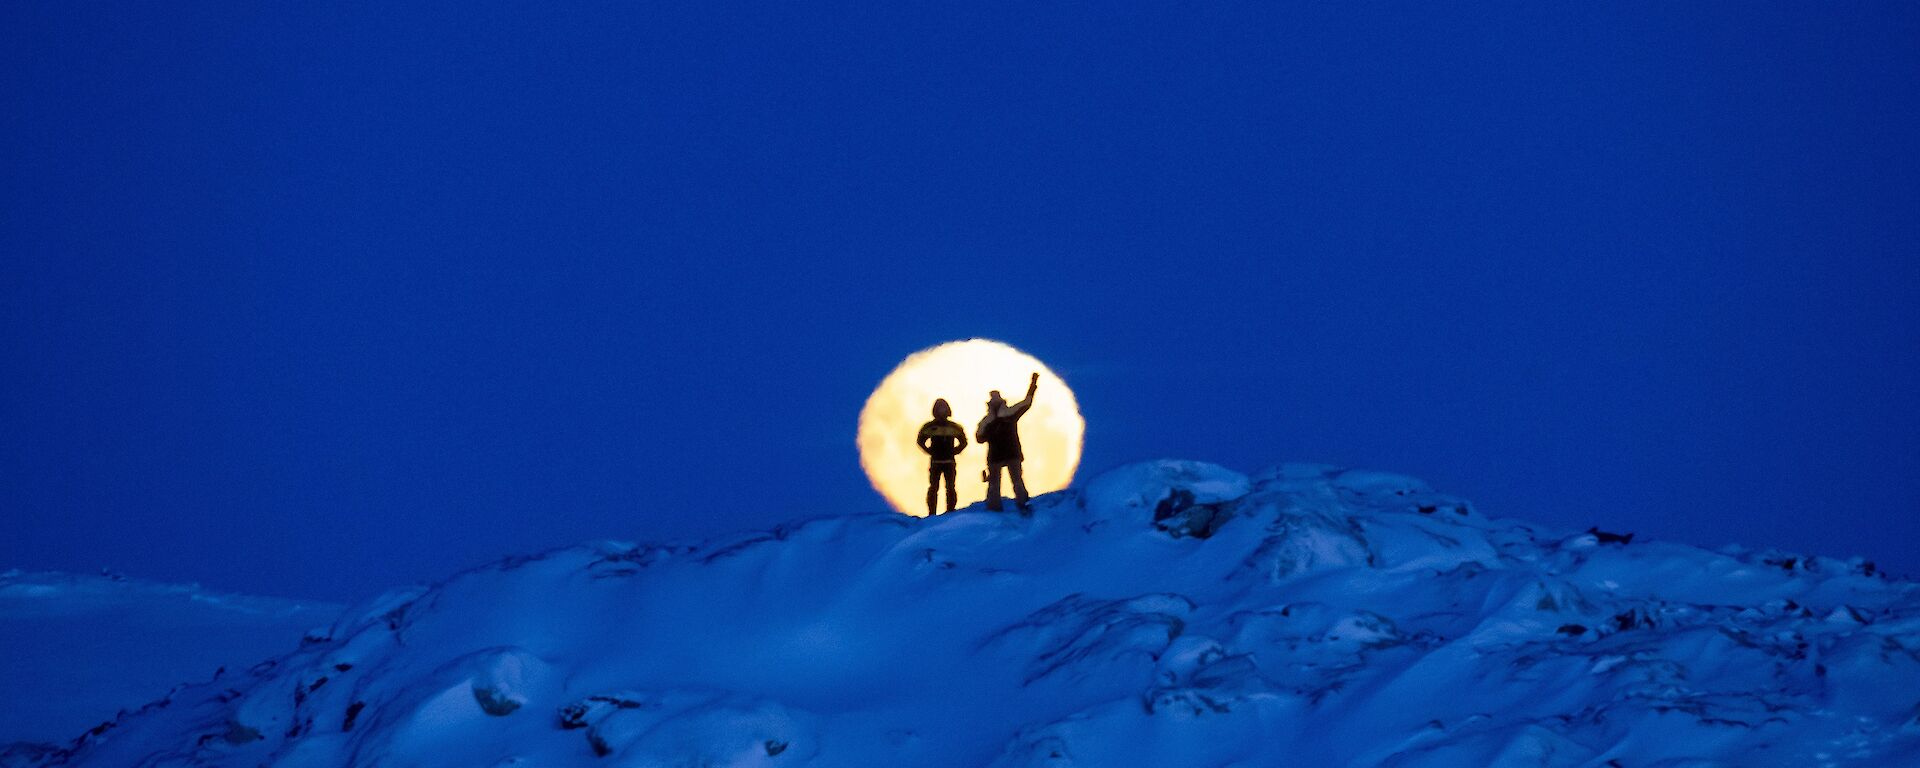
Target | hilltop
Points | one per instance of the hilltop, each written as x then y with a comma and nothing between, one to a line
1165,614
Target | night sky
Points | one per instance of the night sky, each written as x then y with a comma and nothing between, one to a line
319,299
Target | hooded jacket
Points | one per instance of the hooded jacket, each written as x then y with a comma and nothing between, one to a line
942,440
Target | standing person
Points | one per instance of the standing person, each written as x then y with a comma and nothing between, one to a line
942,440
1000,430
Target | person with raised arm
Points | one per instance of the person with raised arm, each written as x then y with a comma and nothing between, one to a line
999,430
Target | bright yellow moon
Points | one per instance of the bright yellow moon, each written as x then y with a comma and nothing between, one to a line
964,372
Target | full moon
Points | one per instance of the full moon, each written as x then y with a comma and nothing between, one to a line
963,372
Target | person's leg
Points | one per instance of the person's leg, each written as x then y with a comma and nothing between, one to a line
1019,484
933,486
953,495
993,487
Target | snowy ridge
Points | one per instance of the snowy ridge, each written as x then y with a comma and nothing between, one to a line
1168,614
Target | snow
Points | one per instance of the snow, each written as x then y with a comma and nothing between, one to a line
1168,614
120,643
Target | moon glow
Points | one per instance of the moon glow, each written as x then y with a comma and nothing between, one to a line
963,372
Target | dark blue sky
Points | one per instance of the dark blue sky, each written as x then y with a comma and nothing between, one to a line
314,301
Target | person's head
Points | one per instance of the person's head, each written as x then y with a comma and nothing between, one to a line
941,410
994,400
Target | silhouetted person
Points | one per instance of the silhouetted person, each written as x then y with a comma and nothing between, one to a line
1000,431
942,440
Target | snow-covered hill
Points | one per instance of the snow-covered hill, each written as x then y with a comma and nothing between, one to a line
76,649
1168,614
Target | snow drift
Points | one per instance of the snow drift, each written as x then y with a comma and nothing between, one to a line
1168,614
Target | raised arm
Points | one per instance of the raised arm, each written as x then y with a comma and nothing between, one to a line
1021,407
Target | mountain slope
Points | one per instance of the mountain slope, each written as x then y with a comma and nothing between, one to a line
1168,614
74,649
